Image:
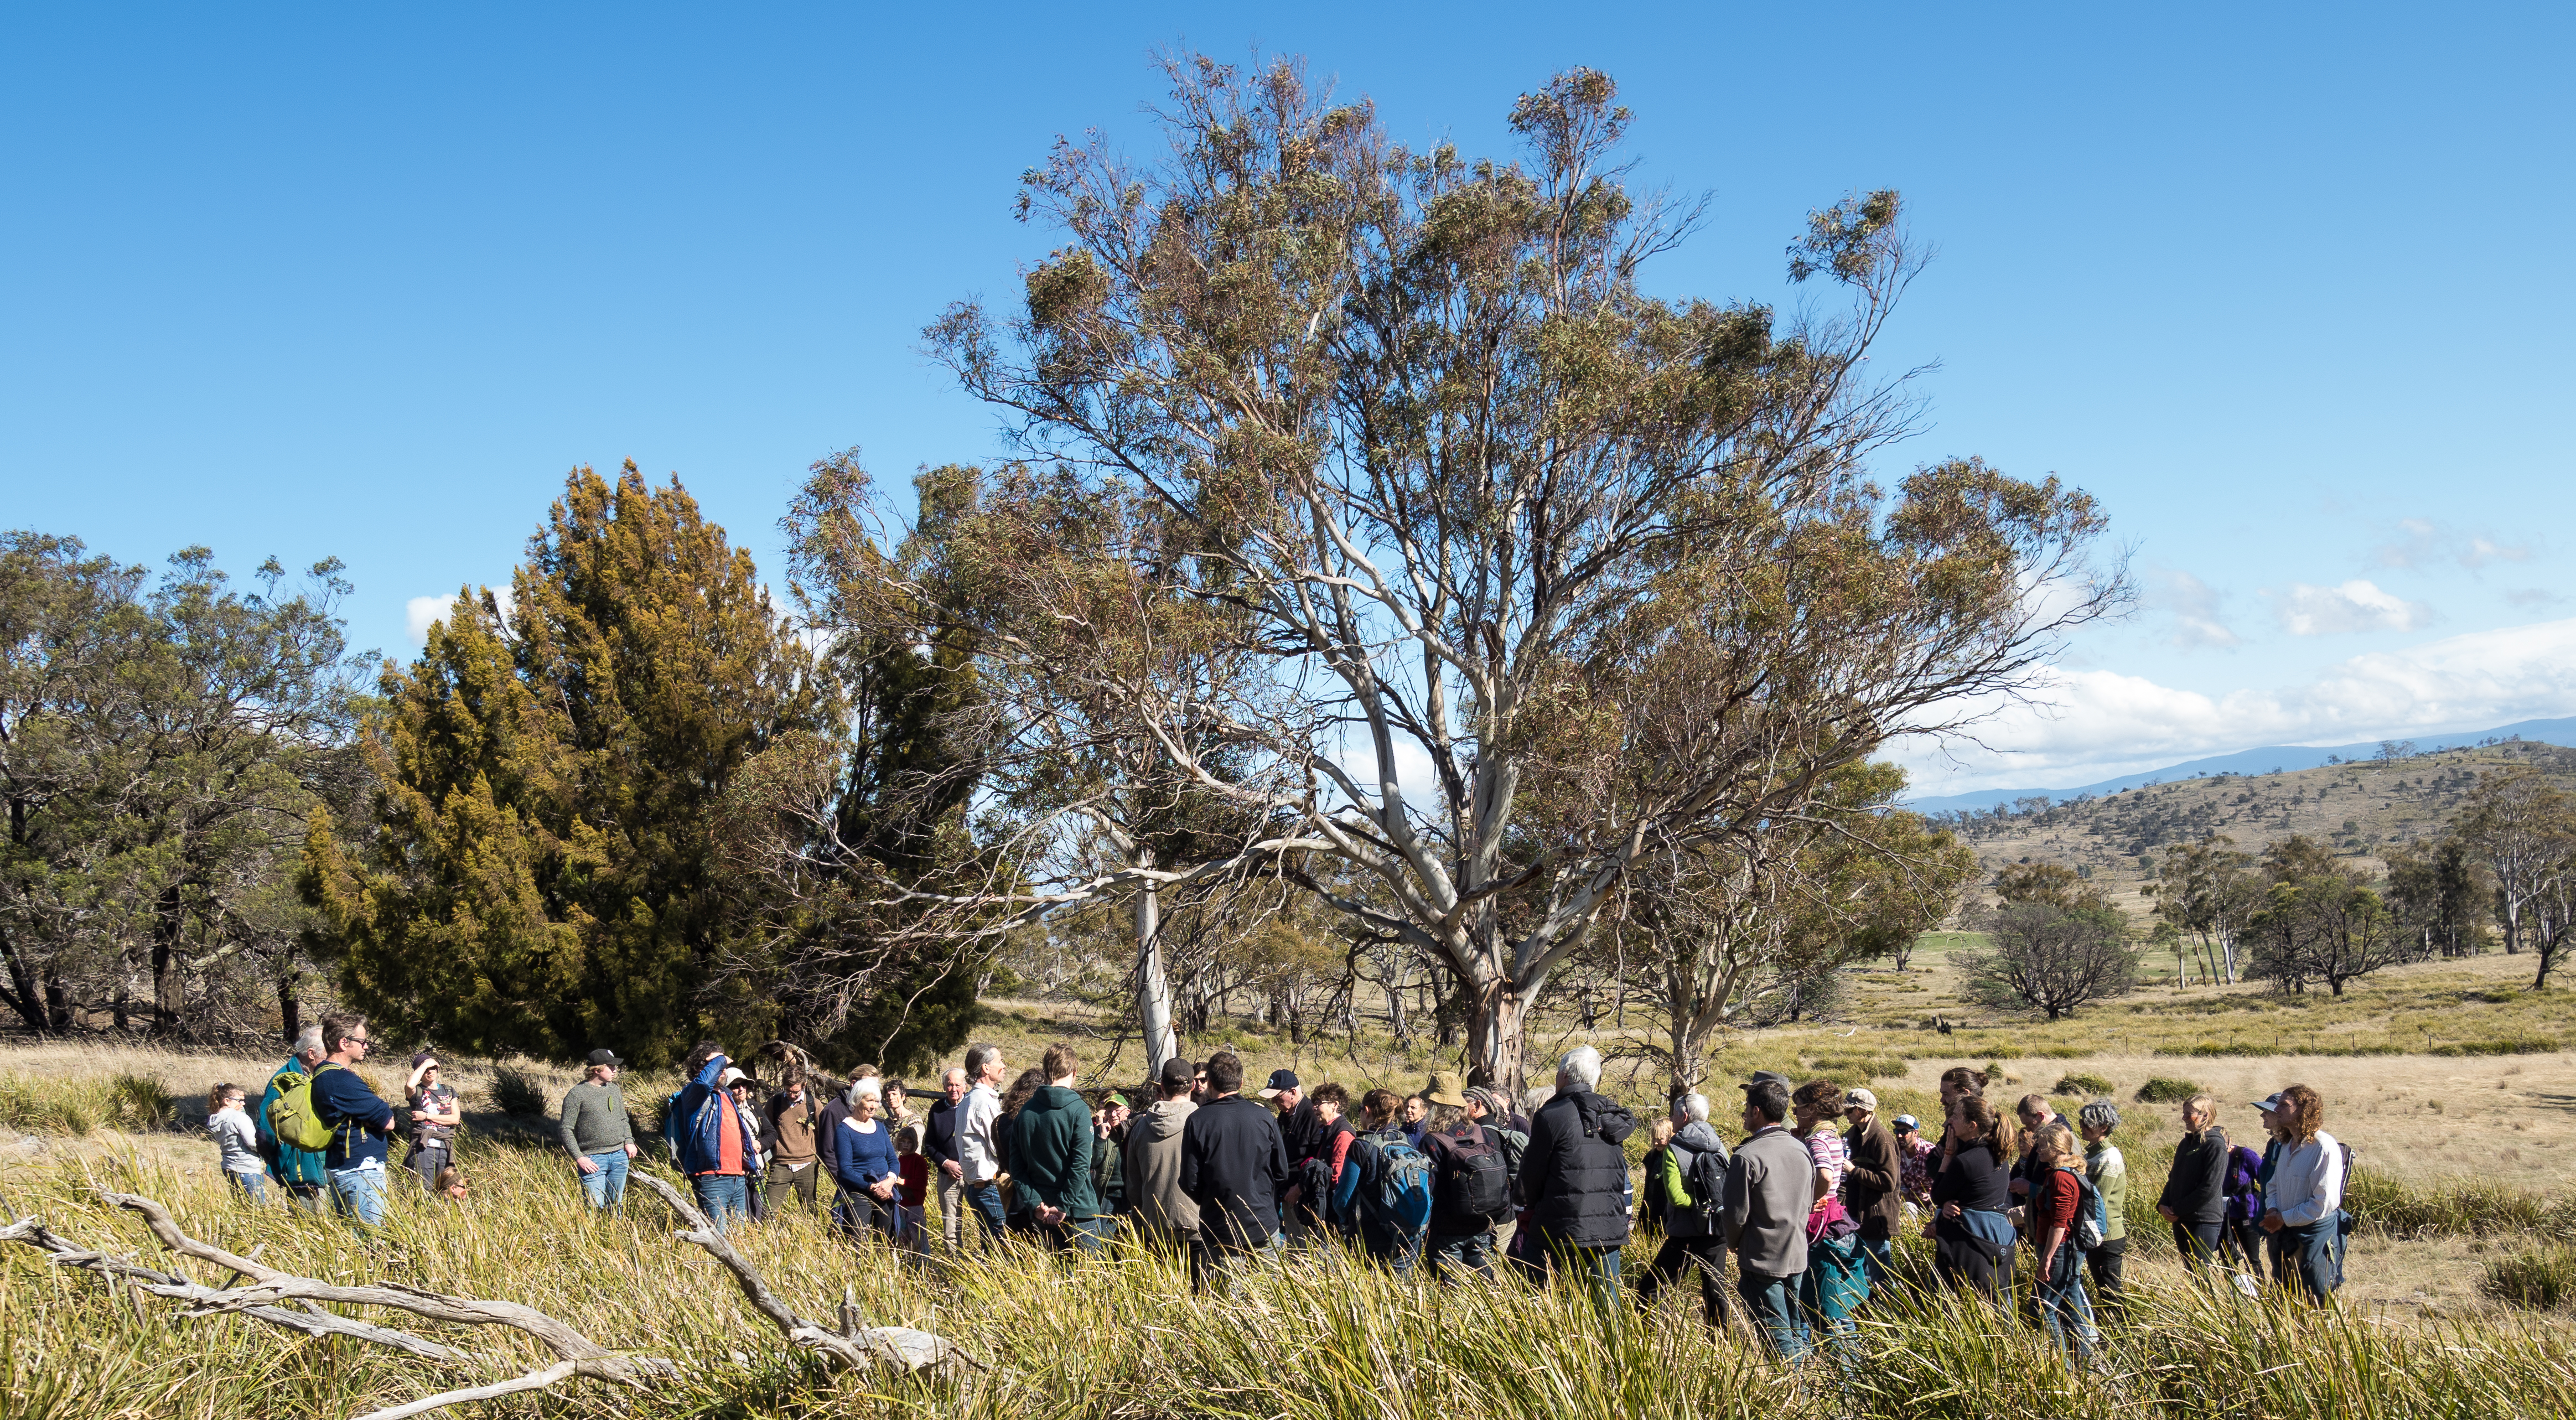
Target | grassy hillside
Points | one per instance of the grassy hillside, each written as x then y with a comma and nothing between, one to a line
2362,809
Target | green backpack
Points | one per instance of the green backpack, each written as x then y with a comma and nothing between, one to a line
292,1116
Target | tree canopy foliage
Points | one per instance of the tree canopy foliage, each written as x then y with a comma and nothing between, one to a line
537,870
1609,569
160,750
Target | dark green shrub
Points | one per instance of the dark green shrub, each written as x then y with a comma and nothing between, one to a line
2165,1090
2083,1086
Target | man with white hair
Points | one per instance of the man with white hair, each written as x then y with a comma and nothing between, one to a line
298,1171
1694,1235
1575,1179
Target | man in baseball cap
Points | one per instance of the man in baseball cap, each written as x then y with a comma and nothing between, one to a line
1282,1082
1874,1183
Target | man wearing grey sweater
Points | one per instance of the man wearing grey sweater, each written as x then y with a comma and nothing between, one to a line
595,1130
1770,1189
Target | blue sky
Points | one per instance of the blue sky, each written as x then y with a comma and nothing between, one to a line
2286,290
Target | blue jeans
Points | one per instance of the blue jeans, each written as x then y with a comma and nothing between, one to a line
605,1185
249,1185
2312,1253
1465,1252
722,1196
1598,1269
359,1193
1397,1251
986,1200
1210,1262
2064,1305
1772,1303
1878,1260
1088,1236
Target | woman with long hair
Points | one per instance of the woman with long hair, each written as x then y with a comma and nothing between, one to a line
2305,1218
2056,1195
1972,1241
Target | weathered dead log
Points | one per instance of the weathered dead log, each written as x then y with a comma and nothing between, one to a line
267,1284
309,1319
901,1347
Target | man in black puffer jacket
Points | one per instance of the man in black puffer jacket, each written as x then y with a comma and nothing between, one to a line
1575,1179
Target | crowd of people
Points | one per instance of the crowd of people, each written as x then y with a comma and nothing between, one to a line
1455,1181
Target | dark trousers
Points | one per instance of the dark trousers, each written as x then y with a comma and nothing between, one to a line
2245,1244
2197,1242
1459,1253
2308,1256
1962,1262
859,1214
1673,1265
2105,1262
986,1201
425,1160
1772,1304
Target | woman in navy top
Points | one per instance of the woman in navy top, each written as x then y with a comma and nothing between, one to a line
864,1165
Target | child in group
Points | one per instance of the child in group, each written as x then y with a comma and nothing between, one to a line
238,1138
914,1171
450,1184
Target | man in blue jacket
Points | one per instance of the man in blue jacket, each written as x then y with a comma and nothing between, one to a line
712,1139
297,1171
360,1122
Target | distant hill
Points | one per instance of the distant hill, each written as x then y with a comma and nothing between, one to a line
2253,761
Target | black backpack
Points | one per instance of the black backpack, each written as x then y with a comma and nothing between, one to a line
1473,1182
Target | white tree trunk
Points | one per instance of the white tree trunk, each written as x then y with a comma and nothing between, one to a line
1153,989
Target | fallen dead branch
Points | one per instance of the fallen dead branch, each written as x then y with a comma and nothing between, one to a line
310,1319
902,1347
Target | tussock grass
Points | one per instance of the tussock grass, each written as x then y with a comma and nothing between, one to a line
2543,1279
1320,1337
516,1092
49,1104
2081,1086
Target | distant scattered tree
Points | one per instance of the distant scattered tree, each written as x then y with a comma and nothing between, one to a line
2395,751
2441,895
2513,820
2553,908
2207,889
2052,959
2320,920
2055,884
1756,935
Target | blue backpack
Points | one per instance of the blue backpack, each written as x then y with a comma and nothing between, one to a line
1398,1196
2092,1220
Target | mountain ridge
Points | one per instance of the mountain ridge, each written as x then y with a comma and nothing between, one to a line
2252,761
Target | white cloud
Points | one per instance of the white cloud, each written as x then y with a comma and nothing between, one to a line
2357,605
2096,724
2193,604
419,612
2423,541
